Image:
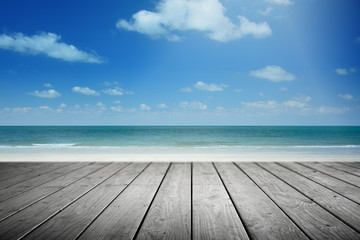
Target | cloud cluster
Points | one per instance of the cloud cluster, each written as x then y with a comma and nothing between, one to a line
144,107
280,2
347,97
273,73
51,93
195,105
344,71
116,91
85,91
48,44
172,16
298,103
209,87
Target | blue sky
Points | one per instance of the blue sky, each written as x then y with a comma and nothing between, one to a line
180,62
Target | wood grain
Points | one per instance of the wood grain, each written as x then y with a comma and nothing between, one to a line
262,218
214,215
341,187
122,218
341,207
22,222
349,178
170,214
312,219
69,223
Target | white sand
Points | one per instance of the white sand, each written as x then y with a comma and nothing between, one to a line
177,157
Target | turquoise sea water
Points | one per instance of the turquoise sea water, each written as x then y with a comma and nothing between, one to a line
179,139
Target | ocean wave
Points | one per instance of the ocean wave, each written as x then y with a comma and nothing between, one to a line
149,147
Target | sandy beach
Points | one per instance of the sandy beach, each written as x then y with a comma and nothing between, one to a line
179,157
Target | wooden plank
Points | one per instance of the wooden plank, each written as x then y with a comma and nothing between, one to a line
24,221
343,208
21,201
313,220
262,218
74,219
10,167
334,184
352,164
18,176
343,167
36,181
122,218
349,178
214,215
169,216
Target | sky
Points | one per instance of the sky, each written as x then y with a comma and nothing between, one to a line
180,62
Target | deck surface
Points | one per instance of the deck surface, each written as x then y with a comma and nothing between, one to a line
180,200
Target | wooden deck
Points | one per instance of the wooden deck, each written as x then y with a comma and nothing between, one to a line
180,200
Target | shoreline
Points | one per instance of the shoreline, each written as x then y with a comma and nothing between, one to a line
178,157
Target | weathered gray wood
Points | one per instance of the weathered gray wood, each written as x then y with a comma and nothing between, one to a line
32,171
36,181
169,216
22,222
312,219
349,178
21,201
261,217
74,219
334,184
11,167
214,215
122,218
343,208
343,167
352,164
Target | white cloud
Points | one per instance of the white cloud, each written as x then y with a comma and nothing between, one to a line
333,110
162,105
21,110
48,44
209,87
238,90
344,71
301,102
261,104
116,91
280,2
261,94
85,91
273,73
144,107
283,89
101,106
117,109
63,105
48,85
117,102
186,89
341,71
45,108
294,103
193,105
51,93
267,11
200,15
347,96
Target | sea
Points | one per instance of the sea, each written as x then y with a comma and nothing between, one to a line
180,139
